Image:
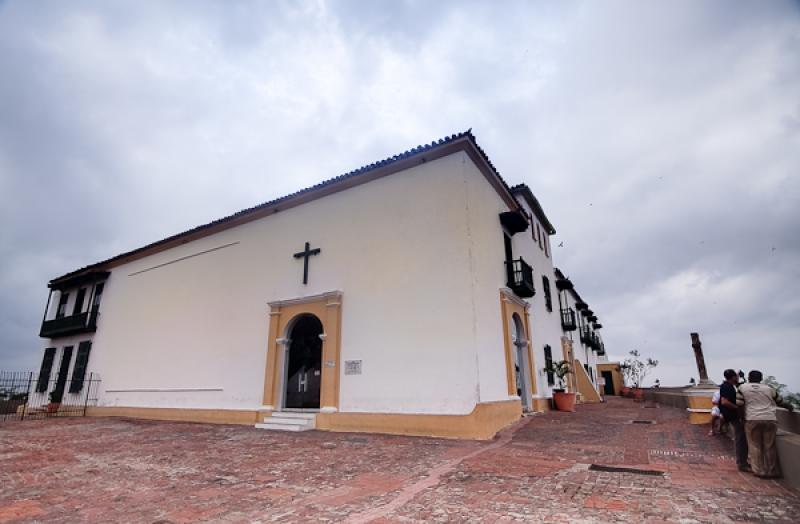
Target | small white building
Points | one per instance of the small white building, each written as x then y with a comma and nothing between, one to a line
416,295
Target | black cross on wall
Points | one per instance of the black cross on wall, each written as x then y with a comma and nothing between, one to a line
307,252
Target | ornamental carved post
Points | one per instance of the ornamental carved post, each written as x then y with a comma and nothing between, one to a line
698,356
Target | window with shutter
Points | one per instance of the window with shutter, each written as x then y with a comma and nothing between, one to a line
79,371
62,305
78,307
539,234
47,367
548,300
98,294
548,361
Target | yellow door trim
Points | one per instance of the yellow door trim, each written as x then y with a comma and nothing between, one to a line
510,304
327,307
569,357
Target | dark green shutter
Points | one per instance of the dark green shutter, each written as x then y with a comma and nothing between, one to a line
548,300
548,361
79,371
44,372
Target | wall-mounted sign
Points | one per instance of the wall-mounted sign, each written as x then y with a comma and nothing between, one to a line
352,367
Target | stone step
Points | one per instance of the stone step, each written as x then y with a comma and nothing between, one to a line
287,421
295,414
283,427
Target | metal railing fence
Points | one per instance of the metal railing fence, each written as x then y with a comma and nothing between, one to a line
25,395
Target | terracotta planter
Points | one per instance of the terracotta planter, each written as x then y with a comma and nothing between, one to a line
53,407
564,401
626,391
638,395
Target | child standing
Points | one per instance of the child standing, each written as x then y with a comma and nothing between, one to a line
716,416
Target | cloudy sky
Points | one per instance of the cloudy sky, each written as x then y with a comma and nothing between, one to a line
663,140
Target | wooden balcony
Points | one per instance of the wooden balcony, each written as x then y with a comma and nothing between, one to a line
568,322
586,336
520,278
71,325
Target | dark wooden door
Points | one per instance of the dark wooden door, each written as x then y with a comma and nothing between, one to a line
304,373
608,389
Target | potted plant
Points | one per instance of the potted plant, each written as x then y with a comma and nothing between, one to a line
55,401
634,370
564,401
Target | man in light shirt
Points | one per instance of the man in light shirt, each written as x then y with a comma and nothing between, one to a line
761,424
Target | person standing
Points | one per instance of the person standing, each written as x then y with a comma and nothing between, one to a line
730,412
760,403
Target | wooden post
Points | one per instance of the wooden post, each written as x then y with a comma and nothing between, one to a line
701,362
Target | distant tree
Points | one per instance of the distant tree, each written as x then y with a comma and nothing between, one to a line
790,398
634,370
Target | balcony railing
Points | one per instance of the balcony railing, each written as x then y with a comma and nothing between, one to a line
71,325
586,336
520,278
568,319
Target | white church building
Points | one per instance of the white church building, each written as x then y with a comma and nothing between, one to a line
416,295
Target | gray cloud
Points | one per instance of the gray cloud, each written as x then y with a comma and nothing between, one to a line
662,139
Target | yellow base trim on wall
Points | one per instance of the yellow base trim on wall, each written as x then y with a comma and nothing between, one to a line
208,416
542,404
481,424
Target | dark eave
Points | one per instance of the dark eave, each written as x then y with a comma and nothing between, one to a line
526,193
77,280
464,141
572,290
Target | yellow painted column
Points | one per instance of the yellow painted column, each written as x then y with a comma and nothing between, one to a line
331,366
569,356
506,316
272,359
531,361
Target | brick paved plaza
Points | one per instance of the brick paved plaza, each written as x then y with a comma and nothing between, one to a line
115,470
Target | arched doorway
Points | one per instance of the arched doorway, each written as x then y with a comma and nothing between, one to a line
303,364
521,364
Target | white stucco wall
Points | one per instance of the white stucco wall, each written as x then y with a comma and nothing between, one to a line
482,206
420,300
419,258
580,350
487,255
545,325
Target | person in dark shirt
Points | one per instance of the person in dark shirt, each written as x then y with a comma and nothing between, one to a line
730,412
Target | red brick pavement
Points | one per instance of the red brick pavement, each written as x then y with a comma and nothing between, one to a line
116,470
